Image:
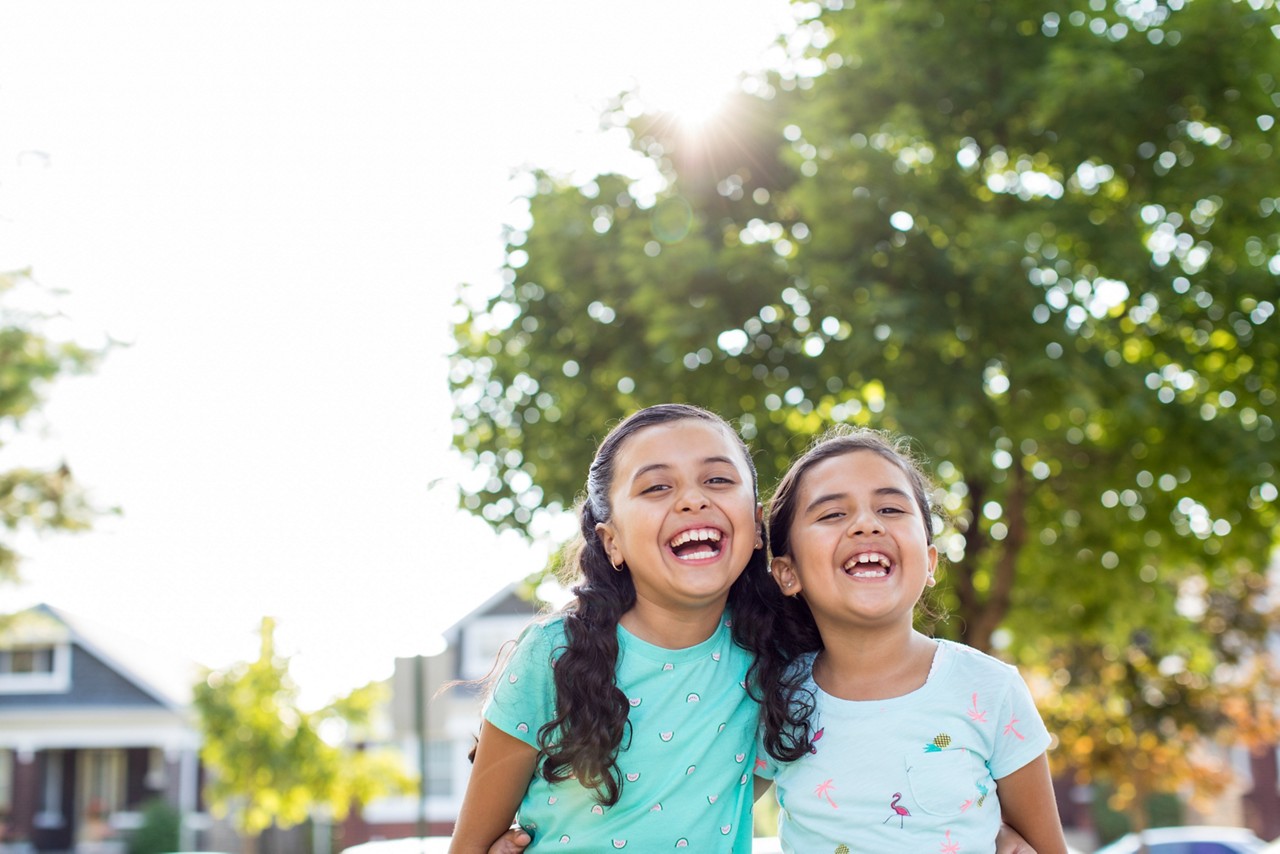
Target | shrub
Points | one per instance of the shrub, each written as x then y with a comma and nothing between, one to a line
158,832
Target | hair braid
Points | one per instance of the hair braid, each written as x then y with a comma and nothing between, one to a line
584,737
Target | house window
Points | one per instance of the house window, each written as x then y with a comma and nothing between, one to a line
102,780
35,668
483,641
26,659
440,769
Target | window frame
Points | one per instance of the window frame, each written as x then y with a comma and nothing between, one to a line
57,680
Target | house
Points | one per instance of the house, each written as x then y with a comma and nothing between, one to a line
441,694
93,725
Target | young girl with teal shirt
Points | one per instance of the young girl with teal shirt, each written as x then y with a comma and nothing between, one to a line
906,743
627,720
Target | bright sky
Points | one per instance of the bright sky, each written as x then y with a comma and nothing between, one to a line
273,203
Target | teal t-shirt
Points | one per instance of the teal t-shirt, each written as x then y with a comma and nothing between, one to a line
686,766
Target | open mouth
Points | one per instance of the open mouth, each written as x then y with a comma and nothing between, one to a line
696,544
868,565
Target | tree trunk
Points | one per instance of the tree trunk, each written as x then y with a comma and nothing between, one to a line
981,616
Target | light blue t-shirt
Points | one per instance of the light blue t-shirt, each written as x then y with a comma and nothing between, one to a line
912,773
686,764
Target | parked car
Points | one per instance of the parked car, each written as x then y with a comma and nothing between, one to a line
403,845
1189,840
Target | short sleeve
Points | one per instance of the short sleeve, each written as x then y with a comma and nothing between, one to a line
766,766
1021,735
523,697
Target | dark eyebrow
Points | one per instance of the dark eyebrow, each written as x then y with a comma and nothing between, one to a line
835,496
659,466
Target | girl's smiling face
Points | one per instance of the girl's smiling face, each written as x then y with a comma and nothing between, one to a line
858,543
684,514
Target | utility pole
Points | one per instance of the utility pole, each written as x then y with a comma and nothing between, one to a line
420,724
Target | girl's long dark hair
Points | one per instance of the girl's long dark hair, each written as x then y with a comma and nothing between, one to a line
590,727
786,735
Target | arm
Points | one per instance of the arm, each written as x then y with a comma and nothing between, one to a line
1028,806
1007,842
503,767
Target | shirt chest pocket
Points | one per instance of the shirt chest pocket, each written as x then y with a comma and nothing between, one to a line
947,782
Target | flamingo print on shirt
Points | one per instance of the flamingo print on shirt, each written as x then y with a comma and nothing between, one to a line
900,812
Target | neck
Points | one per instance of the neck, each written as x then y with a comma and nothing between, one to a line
669,628
859,665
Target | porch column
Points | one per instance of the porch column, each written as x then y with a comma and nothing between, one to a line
188,797
26,796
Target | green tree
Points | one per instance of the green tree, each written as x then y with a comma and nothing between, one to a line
270,761
1039,237
33,498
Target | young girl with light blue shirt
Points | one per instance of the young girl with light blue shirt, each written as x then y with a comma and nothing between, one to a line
911,744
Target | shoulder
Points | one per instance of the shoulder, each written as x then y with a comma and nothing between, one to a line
973,662
798,675
542,638
802,666
550,627
730,633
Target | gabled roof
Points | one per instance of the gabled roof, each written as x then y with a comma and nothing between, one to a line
505,601
148,665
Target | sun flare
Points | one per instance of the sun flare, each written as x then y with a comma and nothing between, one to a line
694,105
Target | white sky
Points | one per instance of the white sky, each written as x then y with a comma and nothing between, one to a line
274,203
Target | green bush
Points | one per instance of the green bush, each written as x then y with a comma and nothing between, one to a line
158,832
1163,810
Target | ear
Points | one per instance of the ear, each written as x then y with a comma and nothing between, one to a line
932,578
784,573
609,541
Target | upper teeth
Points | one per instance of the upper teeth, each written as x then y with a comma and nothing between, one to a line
696,534
868,558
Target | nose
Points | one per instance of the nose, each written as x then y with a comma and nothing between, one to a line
865,522
692,498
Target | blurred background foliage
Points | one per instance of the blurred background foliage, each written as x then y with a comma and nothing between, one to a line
34,498
273,763
1042,239
160,830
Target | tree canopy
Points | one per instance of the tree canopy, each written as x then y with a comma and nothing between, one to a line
269,760
1040,238
41,499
